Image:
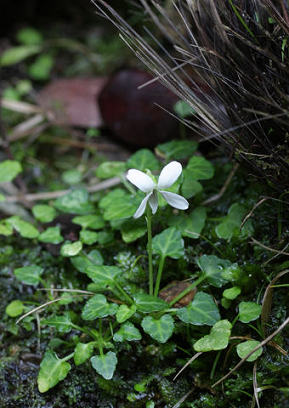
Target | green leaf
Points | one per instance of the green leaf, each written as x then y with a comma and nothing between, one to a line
190,187
88,237
159,329
177,149
200,168
51,235
91,221
52,370
110,169
75,202
15,308
119,204
213,267
202,310
9,169
29,36
249,311
244,348
82,352
71,249
232,293
169,243
103,275
218,338
29,274
142,160
230,226
105,364
97,307
6,229
83,260
147,303
124,313
44,213
127,332
14,55
62,323
183,109
190,225
40,69
131,230
24,228
72,177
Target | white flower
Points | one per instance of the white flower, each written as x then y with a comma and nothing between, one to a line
169,174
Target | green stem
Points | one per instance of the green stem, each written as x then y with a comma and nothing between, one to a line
124,294
68,357
150,251
100,337
187,290
159,275
215,365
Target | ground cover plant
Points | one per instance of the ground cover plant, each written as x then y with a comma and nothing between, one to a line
153,278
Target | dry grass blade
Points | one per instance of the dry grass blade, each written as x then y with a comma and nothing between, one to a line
187,364
249,215
255,242
263,343
21,107
183,399
267,300
255,384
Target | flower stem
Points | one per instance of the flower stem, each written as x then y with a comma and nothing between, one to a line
123,292
159,275
187,290
150,251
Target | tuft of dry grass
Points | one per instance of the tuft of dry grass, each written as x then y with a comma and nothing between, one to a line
230,61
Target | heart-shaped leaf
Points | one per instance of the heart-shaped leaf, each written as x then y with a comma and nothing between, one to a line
82,261
105,364
44,213
103,275
52,370
244,348
213,267
24,228
190,225
91,221
124,313
232,293
218,338
82,352
62,323
169,243
118,204
97,307
71,249
159,329
249,311
147,303
51,235
142,160
15,308
75,202
202,310
9,169
200,168
127,332
110,169
178,149
29,274
230,226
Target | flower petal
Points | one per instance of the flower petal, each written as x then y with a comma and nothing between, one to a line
169,174
140,180
175,200
141,209
153,202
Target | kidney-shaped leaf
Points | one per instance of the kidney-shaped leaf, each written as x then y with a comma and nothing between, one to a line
105,364
169,243
159,329
202,310
52,370
218,338
213,267
246,347
249,311
97,307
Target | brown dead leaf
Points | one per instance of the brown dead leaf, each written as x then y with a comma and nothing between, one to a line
173,289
